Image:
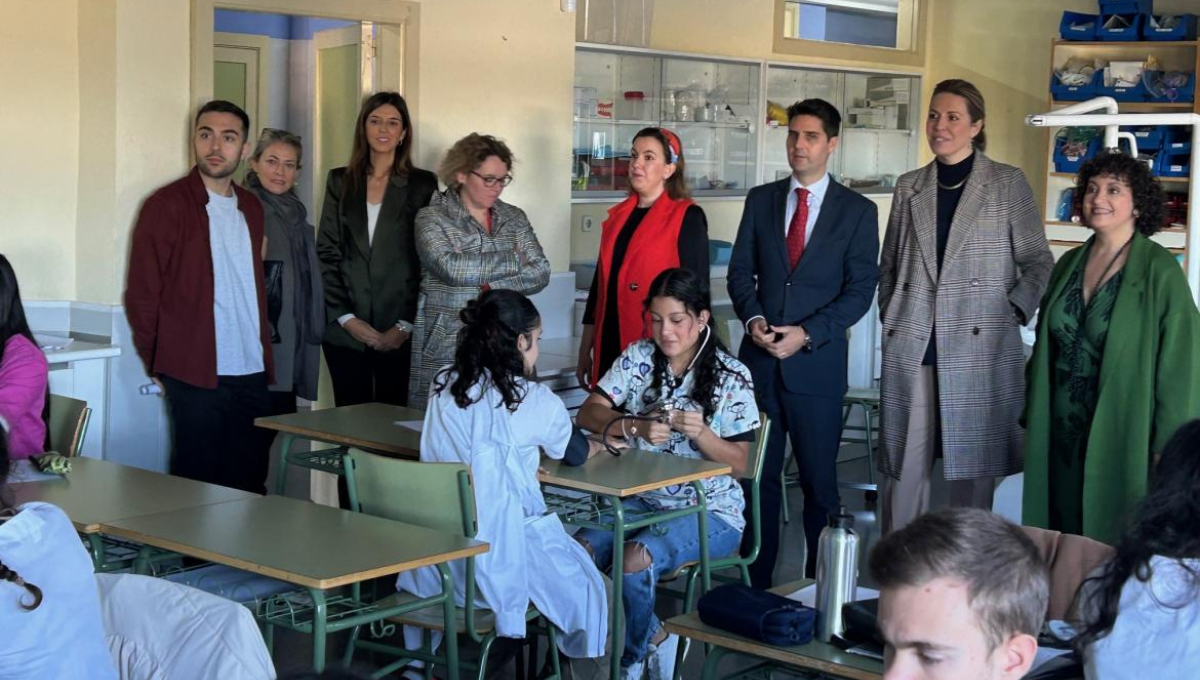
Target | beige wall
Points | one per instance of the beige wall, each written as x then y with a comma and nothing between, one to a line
504,67
39,119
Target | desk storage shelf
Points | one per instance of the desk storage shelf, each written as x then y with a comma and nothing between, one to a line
730,117
1170,165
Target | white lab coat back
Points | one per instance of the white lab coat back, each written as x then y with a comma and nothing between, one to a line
63,639
531,556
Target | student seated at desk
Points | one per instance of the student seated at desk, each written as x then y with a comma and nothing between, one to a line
1141,611
705,401
485,412
23,372
50,626
962,594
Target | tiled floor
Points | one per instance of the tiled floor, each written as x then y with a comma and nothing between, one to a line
293,652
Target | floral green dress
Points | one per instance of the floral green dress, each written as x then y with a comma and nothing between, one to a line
1078,332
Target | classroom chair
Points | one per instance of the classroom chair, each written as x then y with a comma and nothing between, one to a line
68,424
437,496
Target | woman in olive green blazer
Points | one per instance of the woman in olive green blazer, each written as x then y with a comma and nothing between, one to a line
1116,367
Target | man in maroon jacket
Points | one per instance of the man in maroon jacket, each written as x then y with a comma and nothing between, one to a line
197,308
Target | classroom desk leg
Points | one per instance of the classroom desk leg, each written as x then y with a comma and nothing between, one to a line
712,661
617,610
96,548
285,448
319,622
702,523
448,611
141,565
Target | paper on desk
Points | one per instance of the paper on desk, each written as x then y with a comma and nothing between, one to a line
807,595
46,341
414,425
26,471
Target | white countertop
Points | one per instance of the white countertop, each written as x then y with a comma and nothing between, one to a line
80,350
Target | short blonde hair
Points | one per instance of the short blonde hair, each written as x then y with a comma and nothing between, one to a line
469,153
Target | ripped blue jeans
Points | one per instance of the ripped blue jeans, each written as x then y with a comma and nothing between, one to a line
669,544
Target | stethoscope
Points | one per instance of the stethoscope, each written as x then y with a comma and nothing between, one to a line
664,406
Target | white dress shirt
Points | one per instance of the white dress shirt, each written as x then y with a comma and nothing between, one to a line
816,196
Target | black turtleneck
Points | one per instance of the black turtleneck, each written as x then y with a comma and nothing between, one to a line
947,203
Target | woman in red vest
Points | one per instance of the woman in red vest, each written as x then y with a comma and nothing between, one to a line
657,228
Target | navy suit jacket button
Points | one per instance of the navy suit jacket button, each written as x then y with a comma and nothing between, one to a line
975,330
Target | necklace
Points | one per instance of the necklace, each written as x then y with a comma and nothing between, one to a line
1104,274
953,186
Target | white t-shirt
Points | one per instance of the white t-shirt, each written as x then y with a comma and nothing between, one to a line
235,294
63,639
372,220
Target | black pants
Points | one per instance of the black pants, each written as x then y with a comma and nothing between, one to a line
213,430
814,425
369,376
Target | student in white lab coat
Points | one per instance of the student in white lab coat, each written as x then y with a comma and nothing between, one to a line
702,403
50,625
485,412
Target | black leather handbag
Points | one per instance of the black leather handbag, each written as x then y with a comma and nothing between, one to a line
758,615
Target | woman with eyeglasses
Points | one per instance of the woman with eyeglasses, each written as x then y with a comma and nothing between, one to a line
469,242
658,227
369,256
295,294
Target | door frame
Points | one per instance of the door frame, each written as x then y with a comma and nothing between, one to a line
404,15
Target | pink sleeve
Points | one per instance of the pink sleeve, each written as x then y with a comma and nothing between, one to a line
24,373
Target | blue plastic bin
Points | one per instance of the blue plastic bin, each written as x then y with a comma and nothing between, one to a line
719,252
1130,33
1173,165
1149,137
1136,93
1073,93
1186,30
1063,163
1177,139
1126,6
1182,95
1078,26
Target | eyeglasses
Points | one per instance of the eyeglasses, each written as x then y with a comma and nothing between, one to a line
489,181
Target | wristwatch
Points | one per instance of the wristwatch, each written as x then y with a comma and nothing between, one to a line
405,326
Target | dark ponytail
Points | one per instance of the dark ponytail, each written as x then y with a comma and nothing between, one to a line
487,348
7,574
689,289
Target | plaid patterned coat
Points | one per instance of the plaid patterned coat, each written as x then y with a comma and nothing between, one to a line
458,257
997,262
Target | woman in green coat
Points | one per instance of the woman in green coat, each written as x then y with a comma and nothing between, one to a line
1116,367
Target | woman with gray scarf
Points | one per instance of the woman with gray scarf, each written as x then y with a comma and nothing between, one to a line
295,295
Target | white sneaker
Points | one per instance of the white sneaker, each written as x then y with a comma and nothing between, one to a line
661,659
634,672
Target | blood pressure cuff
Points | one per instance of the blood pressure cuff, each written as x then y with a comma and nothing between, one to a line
758,614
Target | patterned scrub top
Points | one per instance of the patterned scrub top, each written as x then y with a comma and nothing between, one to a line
735,418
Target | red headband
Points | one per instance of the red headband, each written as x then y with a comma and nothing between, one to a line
673,144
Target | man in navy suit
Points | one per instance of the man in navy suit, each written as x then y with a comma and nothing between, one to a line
803,271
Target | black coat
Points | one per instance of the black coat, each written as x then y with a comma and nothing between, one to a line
377,282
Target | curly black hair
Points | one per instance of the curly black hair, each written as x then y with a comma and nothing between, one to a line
1147,191
1163,524
487,348
688,288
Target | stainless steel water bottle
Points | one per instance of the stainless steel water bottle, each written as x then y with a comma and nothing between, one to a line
837,573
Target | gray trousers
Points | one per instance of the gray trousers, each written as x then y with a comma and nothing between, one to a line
907,498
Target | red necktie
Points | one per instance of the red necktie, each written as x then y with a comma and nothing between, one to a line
795,235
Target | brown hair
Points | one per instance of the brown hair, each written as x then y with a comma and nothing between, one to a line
676,184
360,153
271,136
469,153
975,105
1008,583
